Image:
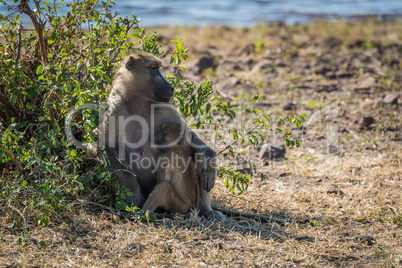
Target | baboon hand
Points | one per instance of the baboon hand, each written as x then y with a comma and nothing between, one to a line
206,171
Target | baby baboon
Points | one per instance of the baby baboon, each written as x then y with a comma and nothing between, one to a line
137,108
177,188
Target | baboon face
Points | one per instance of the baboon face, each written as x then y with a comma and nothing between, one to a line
144,72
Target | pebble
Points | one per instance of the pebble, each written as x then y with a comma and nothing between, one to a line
343,74
272,151
366,121
204,63
391,98
335,191
290,107
361,239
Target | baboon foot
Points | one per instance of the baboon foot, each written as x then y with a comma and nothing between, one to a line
212,215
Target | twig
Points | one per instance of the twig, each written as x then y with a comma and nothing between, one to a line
262,218
17,58
93,203
39,26
158,216
236,141
129,26
117,170
19,212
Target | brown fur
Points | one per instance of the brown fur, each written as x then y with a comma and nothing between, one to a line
140,90
178,188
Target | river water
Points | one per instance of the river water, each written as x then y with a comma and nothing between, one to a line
250,12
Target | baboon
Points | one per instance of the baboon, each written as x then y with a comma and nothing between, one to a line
137,107
177,188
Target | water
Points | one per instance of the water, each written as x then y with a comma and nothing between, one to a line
250,12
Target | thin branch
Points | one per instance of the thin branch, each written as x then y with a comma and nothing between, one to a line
19,212
236,141
129,26
117,170
262,218
39,26
17,58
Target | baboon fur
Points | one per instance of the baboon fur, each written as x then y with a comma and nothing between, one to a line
178,188
140,99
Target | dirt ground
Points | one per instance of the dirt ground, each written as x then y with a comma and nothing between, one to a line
339,194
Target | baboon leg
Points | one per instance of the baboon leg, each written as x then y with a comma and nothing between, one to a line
166,197
206,209
126,178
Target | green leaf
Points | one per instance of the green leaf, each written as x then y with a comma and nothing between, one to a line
298,123
44,221
42,244
208,107
73,153
39,70
297,144
312,223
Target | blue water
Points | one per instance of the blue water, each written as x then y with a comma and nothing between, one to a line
250,12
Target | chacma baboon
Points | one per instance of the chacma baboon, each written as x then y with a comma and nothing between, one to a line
137,107
178,188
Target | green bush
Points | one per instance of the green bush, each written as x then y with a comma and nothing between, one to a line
66,62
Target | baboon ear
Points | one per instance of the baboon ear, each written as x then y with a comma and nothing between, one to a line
130,63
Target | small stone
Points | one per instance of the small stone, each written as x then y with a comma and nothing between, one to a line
290,107
344,74
332,149
327,88
330,75
204,63
323,70
368,82
391,98
366,122
335,191
264,65
394,61
364,239
280,63
272,151
245,171
305,239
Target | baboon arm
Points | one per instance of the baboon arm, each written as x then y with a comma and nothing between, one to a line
126,178
165,196
205,162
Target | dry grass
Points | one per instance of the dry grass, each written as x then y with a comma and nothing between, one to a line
325,226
